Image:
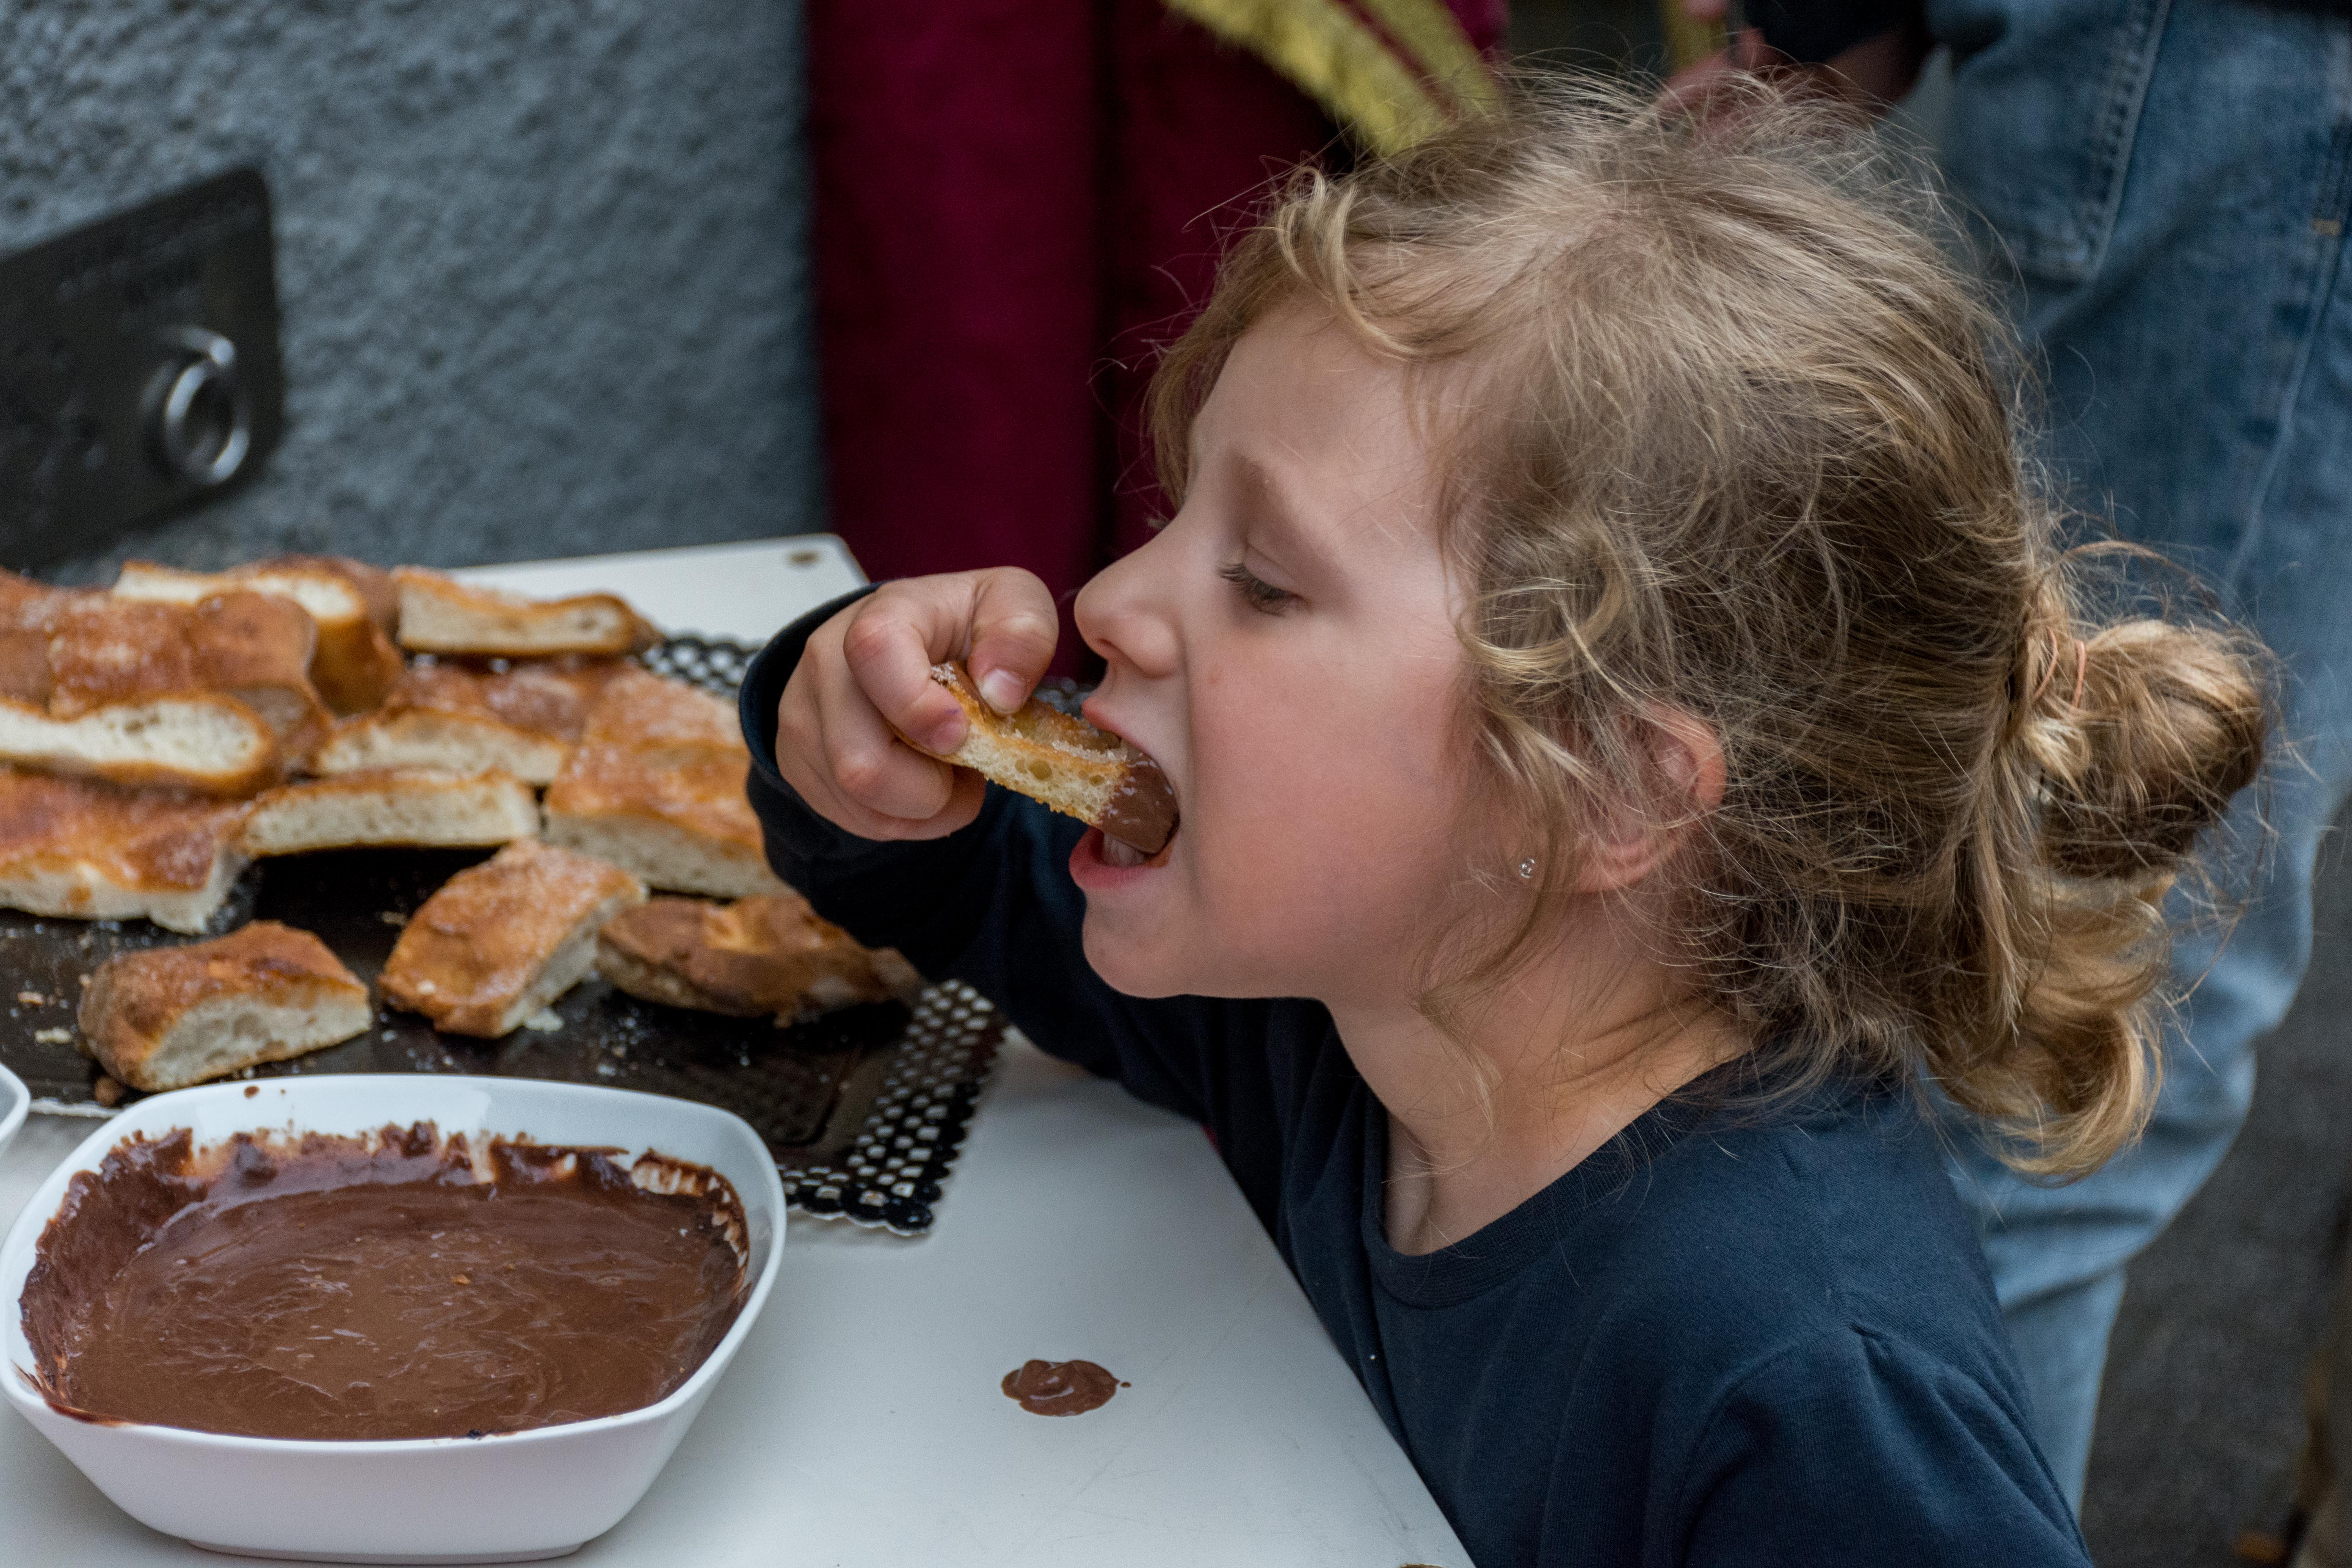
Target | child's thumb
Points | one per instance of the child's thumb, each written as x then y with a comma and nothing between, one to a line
1013,630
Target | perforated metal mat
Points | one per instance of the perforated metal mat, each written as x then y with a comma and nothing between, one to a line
865,1109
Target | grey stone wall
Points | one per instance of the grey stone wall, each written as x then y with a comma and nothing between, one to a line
542,266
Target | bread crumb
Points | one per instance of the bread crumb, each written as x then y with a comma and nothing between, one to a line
106,1091
32,999
53,1037
546,1021
392,917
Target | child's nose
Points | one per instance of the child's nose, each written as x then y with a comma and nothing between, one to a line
1124,612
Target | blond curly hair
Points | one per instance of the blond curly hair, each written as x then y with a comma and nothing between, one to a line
1738,441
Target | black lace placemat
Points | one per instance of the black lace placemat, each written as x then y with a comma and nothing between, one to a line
865,1109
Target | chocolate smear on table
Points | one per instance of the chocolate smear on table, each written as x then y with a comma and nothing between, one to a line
402,1285
1060,1387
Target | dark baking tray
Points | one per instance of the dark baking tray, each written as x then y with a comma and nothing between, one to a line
864,1110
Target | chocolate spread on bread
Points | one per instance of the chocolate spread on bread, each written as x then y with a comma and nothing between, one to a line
1142,808
394,1287
1060,1387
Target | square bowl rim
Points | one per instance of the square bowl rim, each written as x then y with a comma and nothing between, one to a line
23,1234
16,1103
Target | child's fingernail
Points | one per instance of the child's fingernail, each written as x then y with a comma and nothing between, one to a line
949,733
1003,689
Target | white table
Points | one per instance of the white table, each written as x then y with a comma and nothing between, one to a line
862,1423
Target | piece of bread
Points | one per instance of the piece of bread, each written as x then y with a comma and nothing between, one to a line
676,818
637,707
201,742
88,851
1065,763
391,806
468,719
351,604
763,956
502,939
169,1016
104,650
440,615
655,785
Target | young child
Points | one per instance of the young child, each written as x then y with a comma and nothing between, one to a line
1634,731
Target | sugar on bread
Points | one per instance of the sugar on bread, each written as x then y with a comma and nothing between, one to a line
254,648
502,939
88,851
391,806
469,718
655,785
351,603
1064,762
169,1016
440,615
769,956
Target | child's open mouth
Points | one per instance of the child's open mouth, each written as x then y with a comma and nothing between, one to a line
1100,860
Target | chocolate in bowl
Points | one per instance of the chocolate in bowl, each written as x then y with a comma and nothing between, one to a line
401,1285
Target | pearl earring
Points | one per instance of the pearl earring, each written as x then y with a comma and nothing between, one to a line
1527,869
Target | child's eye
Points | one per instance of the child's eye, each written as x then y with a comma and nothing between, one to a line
1256,592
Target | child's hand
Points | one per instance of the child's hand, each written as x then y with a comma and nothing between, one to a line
869,669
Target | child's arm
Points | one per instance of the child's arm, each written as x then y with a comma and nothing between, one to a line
979,889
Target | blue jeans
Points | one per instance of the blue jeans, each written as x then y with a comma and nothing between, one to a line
2169,180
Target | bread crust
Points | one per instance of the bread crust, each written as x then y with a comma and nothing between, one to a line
391,806
350,603
167,1017
470,718
501,939
88,851
1062,762
440,615
657,785
762,956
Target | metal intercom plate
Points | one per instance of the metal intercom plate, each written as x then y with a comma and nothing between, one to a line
139,368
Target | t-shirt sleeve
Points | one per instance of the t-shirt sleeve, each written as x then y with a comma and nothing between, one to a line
993,905
1856,1448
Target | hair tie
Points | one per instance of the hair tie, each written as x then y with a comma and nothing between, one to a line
2050,672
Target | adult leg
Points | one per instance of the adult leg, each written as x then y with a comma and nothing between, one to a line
2170,180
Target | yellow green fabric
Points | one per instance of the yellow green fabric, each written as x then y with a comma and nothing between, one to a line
1325,49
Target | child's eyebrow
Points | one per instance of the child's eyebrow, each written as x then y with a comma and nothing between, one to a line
1268,503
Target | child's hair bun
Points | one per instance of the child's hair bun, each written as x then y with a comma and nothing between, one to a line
2144,731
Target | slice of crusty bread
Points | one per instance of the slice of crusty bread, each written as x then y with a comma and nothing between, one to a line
655,785
88,851
1064,762
502,939
103,649
676,817
391,806
755,957
440,615
461,718
351,604
169,1016
200,741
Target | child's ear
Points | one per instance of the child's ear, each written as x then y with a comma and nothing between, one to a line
1681,763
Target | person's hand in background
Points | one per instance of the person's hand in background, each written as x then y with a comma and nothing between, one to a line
1867,77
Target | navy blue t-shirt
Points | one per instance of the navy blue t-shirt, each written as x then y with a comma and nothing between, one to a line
1731,1336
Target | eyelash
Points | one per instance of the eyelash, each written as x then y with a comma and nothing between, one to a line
1256,593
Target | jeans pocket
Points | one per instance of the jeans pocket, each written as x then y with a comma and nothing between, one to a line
2046,99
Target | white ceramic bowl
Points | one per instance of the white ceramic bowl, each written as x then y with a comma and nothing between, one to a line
511,1498
14,1101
